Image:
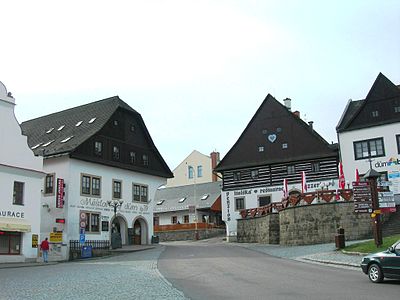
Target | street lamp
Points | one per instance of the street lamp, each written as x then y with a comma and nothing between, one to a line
115,204
116,241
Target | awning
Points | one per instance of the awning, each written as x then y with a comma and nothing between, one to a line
10,224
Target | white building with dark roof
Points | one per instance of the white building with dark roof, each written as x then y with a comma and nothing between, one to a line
21,179
369,134
95,156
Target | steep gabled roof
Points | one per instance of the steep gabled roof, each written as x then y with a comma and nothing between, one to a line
167,199
382,97
284,136
62,132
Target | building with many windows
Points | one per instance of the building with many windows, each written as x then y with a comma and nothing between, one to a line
276,145
369,134
21,178
102,173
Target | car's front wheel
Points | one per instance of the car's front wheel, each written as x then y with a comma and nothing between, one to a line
375,273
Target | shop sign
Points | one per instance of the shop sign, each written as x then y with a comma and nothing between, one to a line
35,240
60,193
56,237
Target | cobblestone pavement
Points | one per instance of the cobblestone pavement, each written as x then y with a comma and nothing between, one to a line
125,276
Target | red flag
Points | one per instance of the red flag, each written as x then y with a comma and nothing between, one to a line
357,176
285,188
303,182
342,182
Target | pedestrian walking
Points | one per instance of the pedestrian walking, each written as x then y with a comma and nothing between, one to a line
44,246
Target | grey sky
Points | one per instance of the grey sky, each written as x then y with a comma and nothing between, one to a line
197,71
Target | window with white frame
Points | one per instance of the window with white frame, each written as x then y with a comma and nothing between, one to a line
90,185
369,148
291,169
145,159
98,148
237,176
315,167
115,153
239,203
190,172
199,171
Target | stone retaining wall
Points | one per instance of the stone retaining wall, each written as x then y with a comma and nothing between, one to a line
306,225
318,223
263,229
184,235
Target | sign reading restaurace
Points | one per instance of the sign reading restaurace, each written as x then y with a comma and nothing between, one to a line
362,197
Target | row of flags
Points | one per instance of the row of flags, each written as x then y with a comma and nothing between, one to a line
342,181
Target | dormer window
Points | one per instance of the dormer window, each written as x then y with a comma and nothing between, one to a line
50,130
261,149
160,202
132,128
182,200
36,146
397,109
61,127
67,139
48,143
205,196
92,120
132,157
78,124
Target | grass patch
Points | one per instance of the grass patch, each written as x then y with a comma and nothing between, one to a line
370,247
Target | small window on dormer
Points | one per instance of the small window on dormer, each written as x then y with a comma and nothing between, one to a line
205,196
48,143
260,148
98,148
61,127
92,120
50,130
291,169
375,114
36,146
78,124
115,122
67,139
182,200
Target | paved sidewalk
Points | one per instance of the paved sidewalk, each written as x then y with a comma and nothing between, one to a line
124,249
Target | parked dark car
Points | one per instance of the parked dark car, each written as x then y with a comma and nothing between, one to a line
385,264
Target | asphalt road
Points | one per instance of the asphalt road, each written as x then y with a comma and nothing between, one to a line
215,270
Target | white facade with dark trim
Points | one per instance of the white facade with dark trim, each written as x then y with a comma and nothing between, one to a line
20,173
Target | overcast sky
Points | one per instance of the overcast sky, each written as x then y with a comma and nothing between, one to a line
197,71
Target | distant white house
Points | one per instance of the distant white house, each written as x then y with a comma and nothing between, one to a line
369,134
194,169
21,181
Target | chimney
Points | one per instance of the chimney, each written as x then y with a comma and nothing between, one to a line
214,161
311,125
288,103
297,114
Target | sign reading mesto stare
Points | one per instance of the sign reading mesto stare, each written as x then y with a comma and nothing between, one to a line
100,204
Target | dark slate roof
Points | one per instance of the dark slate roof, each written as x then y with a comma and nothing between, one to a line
92,117
172,195
272,126
37,129
383,96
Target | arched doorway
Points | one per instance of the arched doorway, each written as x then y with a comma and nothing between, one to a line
119,232
140,232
